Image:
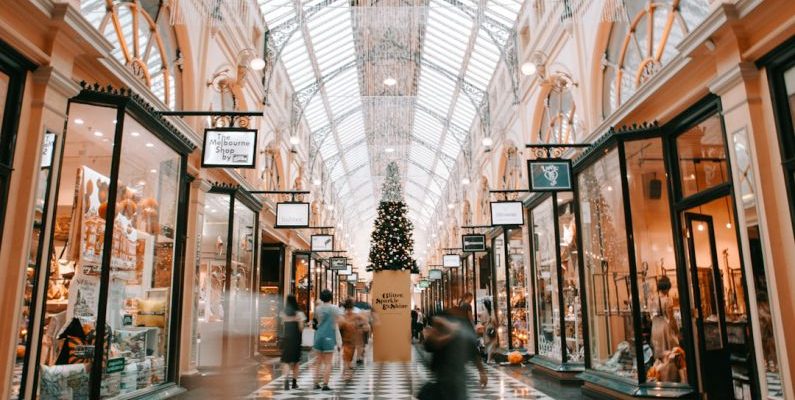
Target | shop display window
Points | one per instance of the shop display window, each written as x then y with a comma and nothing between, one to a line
226,279
546,281
107,318
702,157
301,281
657,275
518,289
606,269
501,290
36,262
556,275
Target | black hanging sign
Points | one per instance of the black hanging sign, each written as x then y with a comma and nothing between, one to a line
549,175
339,264
473,243
229,148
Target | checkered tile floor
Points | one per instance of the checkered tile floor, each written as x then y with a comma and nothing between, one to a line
393,381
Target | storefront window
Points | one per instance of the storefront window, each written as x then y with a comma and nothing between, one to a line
607,280
241,293
570,276
36,253
73,284
301,280
702,157
501,299
546,277
212,278
654,256
114,250
142,264
517,280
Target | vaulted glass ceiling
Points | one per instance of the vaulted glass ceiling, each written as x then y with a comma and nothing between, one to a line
441,56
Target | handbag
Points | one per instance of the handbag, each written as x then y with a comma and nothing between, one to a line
307,337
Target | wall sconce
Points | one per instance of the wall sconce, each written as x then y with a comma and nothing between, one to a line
248,59
537,65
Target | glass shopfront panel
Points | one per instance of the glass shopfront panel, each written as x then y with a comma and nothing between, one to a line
500,301
242,295
212,278
301,281
657,281
142,263
517,280
702,157
570,278
109,288
546,281
606,264
73,284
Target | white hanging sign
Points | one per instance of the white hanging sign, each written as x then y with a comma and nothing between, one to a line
229,147
47,150
292,215
510,213
324,243
451,261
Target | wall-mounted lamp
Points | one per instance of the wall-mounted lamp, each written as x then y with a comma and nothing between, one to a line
537,65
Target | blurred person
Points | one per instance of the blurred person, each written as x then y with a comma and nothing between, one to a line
452,342
490,331
326,315
369,318
414,315
420,324
352,325
292,325
465,305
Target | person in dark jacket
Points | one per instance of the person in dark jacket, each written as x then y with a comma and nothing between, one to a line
292,324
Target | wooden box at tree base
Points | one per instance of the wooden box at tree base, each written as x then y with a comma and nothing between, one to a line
391,301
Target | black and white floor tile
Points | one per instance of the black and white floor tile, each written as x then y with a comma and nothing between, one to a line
393,381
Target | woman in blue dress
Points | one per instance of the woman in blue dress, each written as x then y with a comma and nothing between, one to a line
326,315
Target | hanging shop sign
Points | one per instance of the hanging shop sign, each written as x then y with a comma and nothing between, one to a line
229,147
549,175
324,243
353,277
47,149
451,261
435,274
510,213
473,243
292,215
424,284
338,264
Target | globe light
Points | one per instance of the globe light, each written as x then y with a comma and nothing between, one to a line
487,142
529,68
257,64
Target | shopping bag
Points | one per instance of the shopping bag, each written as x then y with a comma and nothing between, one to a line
307,337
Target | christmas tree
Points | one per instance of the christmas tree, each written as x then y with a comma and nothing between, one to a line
391,243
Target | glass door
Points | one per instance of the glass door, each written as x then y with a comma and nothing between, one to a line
709,317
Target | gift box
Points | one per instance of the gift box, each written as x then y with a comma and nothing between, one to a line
64,382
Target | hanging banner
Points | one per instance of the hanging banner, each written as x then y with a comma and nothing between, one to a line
510,213
292,215
435,274
339,264
473,243
549,175
324,243
451,261
229,147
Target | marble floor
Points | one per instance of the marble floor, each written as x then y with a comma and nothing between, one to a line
395,381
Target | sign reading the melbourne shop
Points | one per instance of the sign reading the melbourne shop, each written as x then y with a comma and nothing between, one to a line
473,242
323,243
549,175
451,261
229,147
510,213
338,264
292,215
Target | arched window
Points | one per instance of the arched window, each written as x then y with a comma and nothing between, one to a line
559,123
639,46
151,53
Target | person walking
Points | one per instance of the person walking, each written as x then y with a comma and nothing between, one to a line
414,315
489,331
465,305
292,324
351,329
451,341
326,315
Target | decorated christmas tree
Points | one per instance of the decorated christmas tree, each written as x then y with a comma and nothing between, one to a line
391,243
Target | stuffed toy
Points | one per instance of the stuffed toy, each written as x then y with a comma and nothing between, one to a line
149,221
